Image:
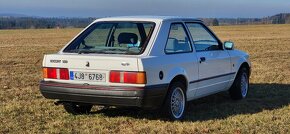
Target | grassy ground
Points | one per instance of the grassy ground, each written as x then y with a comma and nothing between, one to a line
266,110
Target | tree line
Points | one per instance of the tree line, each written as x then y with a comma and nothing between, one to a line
40,23
7,22
283,18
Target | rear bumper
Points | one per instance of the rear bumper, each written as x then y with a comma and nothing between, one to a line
145,97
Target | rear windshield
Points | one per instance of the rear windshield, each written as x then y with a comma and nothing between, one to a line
129,38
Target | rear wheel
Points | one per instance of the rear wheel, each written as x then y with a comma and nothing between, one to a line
239,89
175,103
77,108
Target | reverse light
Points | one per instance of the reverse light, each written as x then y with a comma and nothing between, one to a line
128,77
56,73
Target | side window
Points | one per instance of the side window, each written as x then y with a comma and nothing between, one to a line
202,39
178,41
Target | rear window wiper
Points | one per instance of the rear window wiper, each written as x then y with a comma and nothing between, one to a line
120,49
113,49
105,51
86,51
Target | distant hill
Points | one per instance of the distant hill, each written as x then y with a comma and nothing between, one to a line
12,15
282,18
9,22
20,21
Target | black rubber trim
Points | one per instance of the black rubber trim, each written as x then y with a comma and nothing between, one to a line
145,97
213,77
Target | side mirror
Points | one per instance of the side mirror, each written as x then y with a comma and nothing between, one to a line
229,45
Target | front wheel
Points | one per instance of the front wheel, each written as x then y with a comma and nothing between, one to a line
175,103
239,89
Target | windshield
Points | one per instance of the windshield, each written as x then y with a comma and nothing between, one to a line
113,38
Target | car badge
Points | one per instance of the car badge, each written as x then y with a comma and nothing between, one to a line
88,64
125,64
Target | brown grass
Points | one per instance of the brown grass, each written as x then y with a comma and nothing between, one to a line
266,110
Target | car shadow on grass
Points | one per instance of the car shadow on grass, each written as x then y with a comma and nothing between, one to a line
219,106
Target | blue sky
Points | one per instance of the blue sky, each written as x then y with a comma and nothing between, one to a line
101,8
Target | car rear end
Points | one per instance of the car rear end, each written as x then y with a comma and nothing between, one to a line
102,65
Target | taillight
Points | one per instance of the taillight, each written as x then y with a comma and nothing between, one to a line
128,77
44,72
51,73
56,73
63,74
115,76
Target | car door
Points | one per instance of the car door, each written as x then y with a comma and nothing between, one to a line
180,56
214,67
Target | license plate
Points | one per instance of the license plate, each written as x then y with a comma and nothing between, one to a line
88,76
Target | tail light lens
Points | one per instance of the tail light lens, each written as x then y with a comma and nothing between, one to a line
115,77
63,74
128,77
44,73
50,73
56,73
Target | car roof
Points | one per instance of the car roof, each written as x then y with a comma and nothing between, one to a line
148,18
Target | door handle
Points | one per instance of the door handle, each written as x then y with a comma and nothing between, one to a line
202,59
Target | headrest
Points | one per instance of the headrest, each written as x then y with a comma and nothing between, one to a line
172,43
127,38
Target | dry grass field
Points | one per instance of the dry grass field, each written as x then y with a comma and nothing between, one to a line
266,110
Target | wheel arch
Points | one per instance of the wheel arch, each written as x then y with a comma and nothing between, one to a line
177,74
180,78
247,66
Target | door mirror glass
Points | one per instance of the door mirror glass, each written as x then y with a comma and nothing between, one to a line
229,45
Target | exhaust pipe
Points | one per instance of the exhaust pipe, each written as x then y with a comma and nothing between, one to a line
58,103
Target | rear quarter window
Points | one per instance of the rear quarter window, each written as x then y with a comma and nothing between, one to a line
177,41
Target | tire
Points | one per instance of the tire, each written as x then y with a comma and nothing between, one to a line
77,108
240,87
175,102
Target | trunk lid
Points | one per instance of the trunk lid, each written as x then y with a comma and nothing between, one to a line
90,64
